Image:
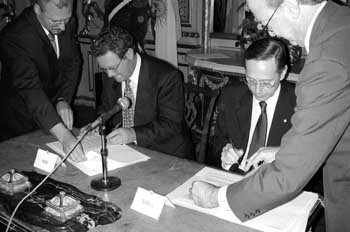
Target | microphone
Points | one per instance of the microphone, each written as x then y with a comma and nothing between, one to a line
123,103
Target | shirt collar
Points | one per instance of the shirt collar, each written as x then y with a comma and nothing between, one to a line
311,25
135,74
271,101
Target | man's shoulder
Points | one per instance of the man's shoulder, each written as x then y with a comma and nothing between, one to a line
235,91
156,62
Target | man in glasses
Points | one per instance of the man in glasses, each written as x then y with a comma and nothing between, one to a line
320,133
155,118
40,72
239,108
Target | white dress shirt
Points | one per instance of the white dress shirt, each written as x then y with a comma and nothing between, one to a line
56,41
134,78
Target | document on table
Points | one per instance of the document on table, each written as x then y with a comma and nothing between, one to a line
289,217
118,155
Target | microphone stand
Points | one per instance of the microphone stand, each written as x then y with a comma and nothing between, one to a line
104,183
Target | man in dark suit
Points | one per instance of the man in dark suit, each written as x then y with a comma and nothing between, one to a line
156,117
266,65
320,133
40,69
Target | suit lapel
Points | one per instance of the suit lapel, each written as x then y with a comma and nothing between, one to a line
244,112
45,40
142,97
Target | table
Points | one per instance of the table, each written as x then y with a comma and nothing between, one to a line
218,67
161,174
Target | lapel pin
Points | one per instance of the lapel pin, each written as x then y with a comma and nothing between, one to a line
285,120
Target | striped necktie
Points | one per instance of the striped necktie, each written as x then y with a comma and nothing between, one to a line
128,114
53,42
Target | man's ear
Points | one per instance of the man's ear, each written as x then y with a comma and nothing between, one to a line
283,73
37,9
130,54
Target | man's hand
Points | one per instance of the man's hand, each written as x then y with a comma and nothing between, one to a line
204,194
122,136
68,140
230,156
264,154
78,153
83,130
65,112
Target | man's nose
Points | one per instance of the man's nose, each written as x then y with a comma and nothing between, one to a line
62,26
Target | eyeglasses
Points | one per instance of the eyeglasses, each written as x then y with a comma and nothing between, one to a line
262,83
113,69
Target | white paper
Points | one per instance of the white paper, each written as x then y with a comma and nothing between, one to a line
285,218
118,156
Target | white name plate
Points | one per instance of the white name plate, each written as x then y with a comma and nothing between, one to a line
149,203
45,160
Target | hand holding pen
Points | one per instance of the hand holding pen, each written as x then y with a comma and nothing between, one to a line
230,155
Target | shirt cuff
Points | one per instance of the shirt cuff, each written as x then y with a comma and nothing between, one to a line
222,198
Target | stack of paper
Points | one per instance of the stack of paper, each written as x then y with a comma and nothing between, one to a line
118,156
289,217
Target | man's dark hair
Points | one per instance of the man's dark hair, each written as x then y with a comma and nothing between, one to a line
267,48
58,3
114,39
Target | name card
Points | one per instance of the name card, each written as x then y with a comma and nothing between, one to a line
149,203
45,160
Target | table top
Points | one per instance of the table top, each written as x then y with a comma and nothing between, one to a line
230,61
161,174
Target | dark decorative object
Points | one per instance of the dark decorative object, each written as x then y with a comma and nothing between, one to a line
13,182
251,30
32,211
90,10
134,16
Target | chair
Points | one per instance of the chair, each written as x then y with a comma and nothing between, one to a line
199,107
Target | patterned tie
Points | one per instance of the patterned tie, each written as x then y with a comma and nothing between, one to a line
259,135
128,114
52,41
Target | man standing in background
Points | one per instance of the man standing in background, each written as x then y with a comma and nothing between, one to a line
40,72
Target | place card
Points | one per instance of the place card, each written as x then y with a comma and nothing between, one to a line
45,160
149,203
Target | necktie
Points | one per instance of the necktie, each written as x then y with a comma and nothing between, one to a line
52,41
259,136
128,114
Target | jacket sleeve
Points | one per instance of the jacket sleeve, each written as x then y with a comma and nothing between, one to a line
71,66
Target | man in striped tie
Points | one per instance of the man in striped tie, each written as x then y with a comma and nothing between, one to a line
155,119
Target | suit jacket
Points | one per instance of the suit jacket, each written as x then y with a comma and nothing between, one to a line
320,134
235,110
159,111
32,76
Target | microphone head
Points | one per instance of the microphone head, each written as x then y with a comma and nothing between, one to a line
124,102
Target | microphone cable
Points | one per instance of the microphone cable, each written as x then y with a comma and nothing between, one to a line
46,177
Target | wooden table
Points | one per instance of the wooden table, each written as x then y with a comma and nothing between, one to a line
161,174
